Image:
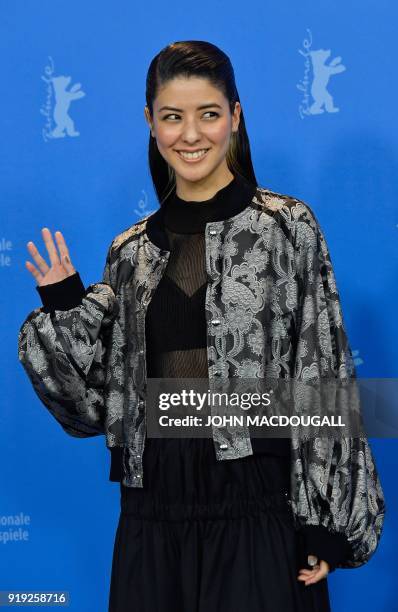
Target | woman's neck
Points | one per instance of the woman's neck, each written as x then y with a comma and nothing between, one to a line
200,191
191,216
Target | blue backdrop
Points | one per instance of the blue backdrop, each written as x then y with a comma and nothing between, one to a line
317,82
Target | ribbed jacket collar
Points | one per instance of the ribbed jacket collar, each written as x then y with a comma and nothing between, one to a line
186,216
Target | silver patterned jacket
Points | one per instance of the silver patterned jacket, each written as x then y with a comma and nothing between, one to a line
272,309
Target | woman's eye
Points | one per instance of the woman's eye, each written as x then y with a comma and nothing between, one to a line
207,113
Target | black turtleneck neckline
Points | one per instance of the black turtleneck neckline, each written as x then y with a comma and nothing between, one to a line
190,216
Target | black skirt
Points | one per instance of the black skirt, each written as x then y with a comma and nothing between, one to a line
209,536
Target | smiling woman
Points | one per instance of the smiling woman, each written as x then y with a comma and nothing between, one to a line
227,279
196,123
208,512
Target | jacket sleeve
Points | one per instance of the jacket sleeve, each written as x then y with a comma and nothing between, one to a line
332,547
63,295
336,490
63,349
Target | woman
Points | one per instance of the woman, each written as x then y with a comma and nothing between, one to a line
226,278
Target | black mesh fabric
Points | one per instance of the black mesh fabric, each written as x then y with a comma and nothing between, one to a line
175,321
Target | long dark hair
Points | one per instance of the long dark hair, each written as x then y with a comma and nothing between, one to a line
201,59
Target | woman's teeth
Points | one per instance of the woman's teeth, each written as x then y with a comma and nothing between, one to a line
193,156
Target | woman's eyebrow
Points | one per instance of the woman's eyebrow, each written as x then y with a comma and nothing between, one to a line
179,110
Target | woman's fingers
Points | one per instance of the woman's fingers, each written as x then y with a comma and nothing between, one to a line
60,263
50,246
34,271
40,261
64,253
314,575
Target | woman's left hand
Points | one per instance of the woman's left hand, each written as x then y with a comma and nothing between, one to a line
310,576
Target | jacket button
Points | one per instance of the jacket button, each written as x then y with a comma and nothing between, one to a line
216,322
223,446
213,232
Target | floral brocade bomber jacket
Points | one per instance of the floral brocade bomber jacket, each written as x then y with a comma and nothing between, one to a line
272,309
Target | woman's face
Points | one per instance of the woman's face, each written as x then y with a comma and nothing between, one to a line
190,114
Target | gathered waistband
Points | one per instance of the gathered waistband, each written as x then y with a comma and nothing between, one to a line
153,509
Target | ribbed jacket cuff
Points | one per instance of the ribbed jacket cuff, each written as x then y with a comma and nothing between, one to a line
63,295
329,546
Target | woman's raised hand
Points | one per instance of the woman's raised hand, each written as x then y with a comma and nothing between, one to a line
60,265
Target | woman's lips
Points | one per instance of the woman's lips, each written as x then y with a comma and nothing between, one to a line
193,160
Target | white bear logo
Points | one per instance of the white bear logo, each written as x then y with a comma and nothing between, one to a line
322,73
63,98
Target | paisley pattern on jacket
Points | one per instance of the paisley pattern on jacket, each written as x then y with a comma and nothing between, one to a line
272,310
